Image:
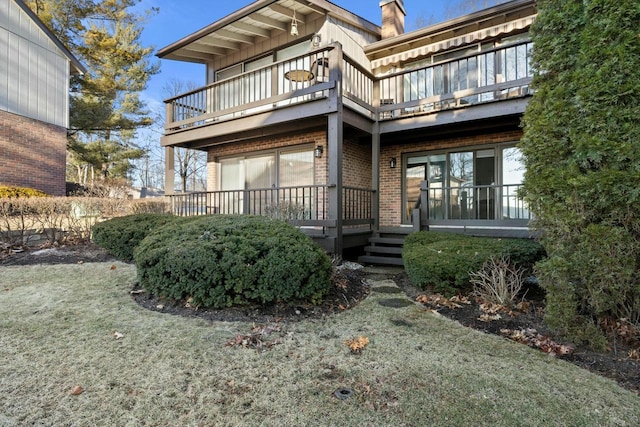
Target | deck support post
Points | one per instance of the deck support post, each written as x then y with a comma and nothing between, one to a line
169,170
335,123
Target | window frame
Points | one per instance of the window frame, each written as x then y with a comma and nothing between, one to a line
498,167
277,152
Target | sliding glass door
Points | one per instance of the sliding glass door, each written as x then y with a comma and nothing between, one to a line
255,183
478,184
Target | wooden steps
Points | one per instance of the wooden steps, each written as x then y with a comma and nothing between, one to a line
385,247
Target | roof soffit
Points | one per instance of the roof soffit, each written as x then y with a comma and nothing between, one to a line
252,24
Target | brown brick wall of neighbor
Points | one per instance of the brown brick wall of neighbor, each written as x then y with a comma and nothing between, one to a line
391,179
356,162
32,154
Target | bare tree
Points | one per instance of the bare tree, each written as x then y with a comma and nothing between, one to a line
463,7
191,164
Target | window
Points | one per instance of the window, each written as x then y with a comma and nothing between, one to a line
471,67
255,184
253,79
471,184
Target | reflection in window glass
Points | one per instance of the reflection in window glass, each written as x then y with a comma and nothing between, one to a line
460,180
231,174
460,169
512,166
296,168
512,176
468,185
260,172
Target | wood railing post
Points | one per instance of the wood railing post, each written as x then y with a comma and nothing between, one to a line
169,114
169,170
424,204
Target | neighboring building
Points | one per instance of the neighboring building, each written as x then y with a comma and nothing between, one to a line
313,113
34,101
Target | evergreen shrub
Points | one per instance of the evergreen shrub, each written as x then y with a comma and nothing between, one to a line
444,261
225,260
120,235
580,150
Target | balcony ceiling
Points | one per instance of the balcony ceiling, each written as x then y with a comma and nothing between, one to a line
259,21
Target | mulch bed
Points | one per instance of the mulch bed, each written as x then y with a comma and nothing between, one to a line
347,291
614,363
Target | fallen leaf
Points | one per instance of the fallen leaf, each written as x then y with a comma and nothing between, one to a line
137,291
461,299
77,390
489,317
357,344
117,335
113,266
634,354
532,338
438,300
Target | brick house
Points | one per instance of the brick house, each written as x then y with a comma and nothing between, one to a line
356,132
34,101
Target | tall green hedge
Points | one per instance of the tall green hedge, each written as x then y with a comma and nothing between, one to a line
224,260
581,153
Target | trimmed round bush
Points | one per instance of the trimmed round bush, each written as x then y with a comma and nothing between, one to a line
444,260
225,260
120,235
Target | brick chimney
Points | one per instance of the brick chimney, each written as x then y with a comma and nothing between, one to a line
393,14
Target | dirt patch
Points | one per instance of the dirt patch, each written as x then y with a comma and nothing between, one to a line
347,291
70,254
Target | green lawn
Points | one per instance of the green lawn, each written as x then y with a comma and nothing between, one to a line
57,327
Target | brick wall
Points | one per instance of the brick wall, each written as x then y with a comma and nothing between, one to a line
392,19
32,154
391,179
356,165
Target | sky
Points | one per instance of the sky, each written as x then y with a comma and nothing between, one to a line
178,19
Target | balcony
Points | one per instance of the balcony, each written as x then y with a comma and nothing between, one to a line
306,207
494,75
476,209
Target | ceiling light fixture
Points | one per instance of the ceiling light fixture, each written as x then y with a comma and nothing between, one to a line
294,22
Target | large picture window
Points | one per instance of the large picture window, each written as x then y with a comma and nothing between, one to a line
474,184
259,183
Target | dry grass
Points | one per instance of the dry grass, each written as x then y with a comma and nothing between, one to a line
57,326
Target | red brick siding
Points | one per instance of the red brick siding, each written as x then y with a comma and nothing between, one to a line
391,179
32,154
356,165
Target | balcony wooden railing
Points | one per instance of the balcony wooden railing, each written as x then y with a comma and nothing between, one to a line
281,84
301,205
478,202
472,207
492,75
